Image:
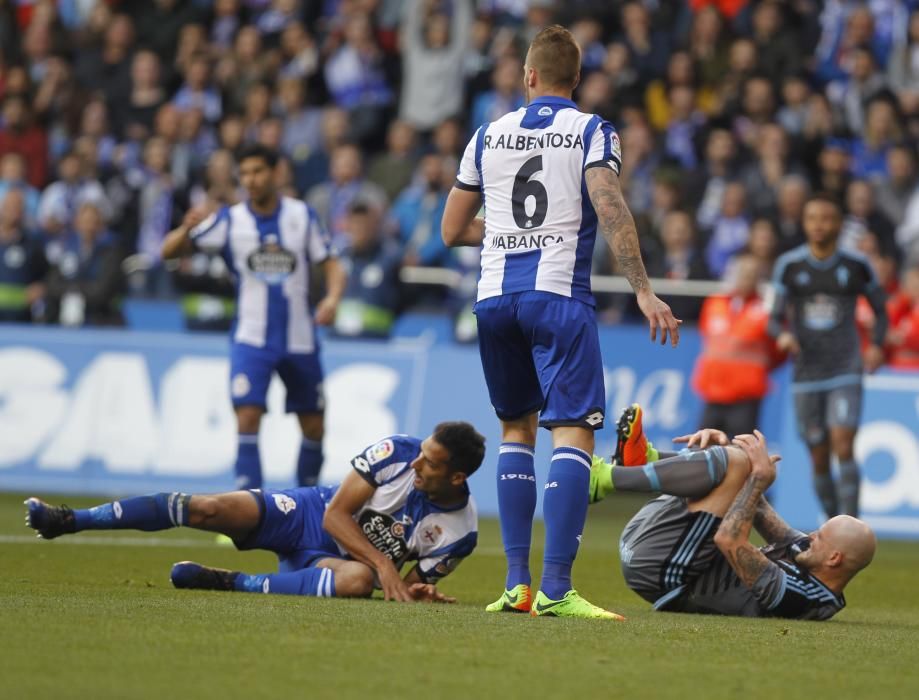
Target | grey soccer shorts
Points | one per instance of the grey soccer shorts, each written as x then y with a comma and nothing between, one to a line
665,546
818,411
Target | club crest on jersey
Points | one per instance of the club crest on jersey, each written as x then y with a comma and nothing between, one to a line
240,385
284,503
270,262
616,146
545,112
842,276
380,451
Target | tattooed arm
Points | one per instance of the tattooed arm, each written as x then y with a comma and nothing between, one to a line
770,525
617,226
733,536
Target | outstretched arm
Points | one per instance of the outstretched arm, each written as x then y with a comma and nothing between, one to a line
618,228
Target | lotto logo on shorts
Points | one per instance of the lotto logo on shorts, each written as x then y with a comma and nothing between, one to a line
380,451
240,385
285,504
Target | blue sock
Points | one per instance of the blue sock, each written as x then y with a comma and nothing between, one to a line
248,462
564,510
516,504
159,511
312,581
309,463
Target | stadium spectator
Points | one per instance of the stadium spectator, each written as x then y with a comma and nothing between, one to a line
730,230
771,164
862,218
647,49
894,191
356,80
147,94
418,211
778,52
792,195
392,170
301,122
505,95
107,68
347,184
84,286
197,92
22,262
19,133
12,176
732,371
882,130
679,259
707,184
433,44
373,294
314,169
61,200
903,67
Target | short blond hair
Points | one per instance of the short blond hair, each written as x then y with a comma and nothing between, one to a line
556,56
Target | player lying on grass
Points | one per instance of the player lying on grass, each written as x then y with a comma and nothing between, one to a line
689,549
405,500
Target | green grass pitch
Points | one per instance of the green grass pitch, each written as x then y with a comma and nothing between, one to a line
94,616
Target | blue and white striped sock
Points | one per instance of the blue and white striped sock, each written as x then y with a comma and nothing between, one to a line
313,581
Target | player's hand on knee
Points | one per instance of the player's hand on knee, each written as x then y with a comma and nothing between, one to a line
703,438
428,593
762,465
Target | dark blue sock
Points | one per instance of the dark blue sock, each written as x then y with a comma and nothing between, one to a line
516,504
248,462
159,511
312,581
564,510
309,463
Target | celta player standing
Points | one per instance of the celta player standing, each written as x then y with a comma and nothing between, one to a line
549,177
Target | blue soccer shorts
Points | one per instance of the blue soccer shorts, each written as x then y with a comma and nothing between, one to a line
541,352
250,374
291,527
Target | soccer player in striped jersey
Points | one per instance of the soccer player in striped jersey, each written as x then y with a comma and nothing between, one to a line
270,242
406,500
548,174
689,550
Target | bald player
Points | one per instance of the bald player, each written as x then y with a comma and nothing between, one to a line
689,550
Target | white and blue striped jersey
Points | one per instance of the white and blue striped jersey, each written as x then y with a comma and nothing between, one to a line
401,522
270,257
540,225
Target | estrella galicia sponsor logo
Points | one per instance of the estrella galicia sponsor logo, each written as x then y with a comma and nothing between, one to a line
525,241
270,262
384,533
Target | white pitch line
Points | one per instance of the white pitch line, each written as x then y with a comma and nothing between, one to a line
110,541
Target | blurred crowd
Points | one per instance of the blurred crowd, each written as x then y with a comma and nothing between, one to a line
119,115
